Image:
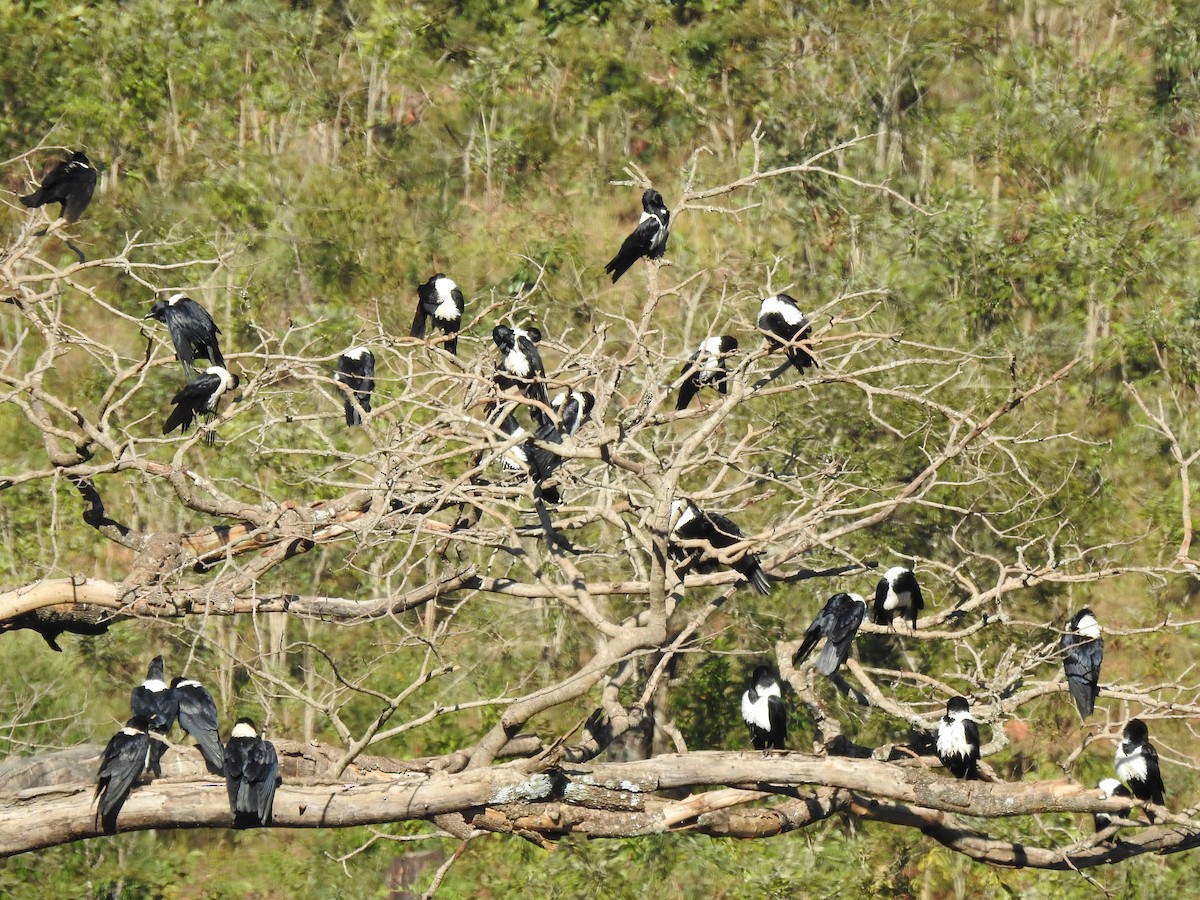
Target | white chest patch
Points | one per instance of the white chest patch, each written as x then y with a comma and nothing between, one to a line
446,309
1130,764
952,738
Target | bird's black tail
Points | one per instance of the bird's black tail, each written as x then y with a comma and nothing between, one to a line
181,417
33,200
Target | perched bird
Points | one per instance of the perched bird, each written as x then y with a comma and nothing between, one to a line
154,702
356,370
573,409
838,623
649,239
192,330
1110,788
251,775
763,711
198,717
690,523
200,398
706,367
958,740
1083,651
124,759
1136,762
786,326
520,365
539,463
897,591
440,298
70,183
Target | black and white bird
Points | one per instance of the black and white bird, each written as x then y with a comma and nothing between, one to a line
715,531
71,182
200,398
786,326
897,592
1083,651
192,330
649,239
763,711
124,760
198,717
356,370
154,702
1109,788
838,623
521,366
251,775
440,299
573,408
539,463
958,740
1136,762
706,368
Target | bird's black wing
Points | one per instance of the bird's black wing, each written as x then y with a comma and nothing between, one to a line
812,635
260,777
916,602
426,301
843,616
879,615
691,384
358,375
535,386
777,715
80,193
1081,663
634,247
194,333
158,708
123,761
190,402
198,717
1154,790
971,732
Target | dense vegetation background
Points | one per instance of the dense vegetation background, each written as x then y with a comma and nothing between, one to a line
335,155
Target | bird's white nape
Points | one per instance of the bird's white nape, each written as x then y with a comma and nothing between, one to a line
243,730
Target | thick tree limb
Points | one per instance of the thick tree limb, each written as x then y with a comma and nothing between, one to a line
600,800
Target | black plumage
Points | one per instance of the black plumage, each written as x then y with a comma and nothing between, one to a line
958,740
539,463
786,327
356,370
573,408
897,592
251,775
649,238
1083,652
198,717
706,368
439,299
154,701
192,330
521,366
838,623
716,533
764,712
71,182
123,761
1136,762
200,398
